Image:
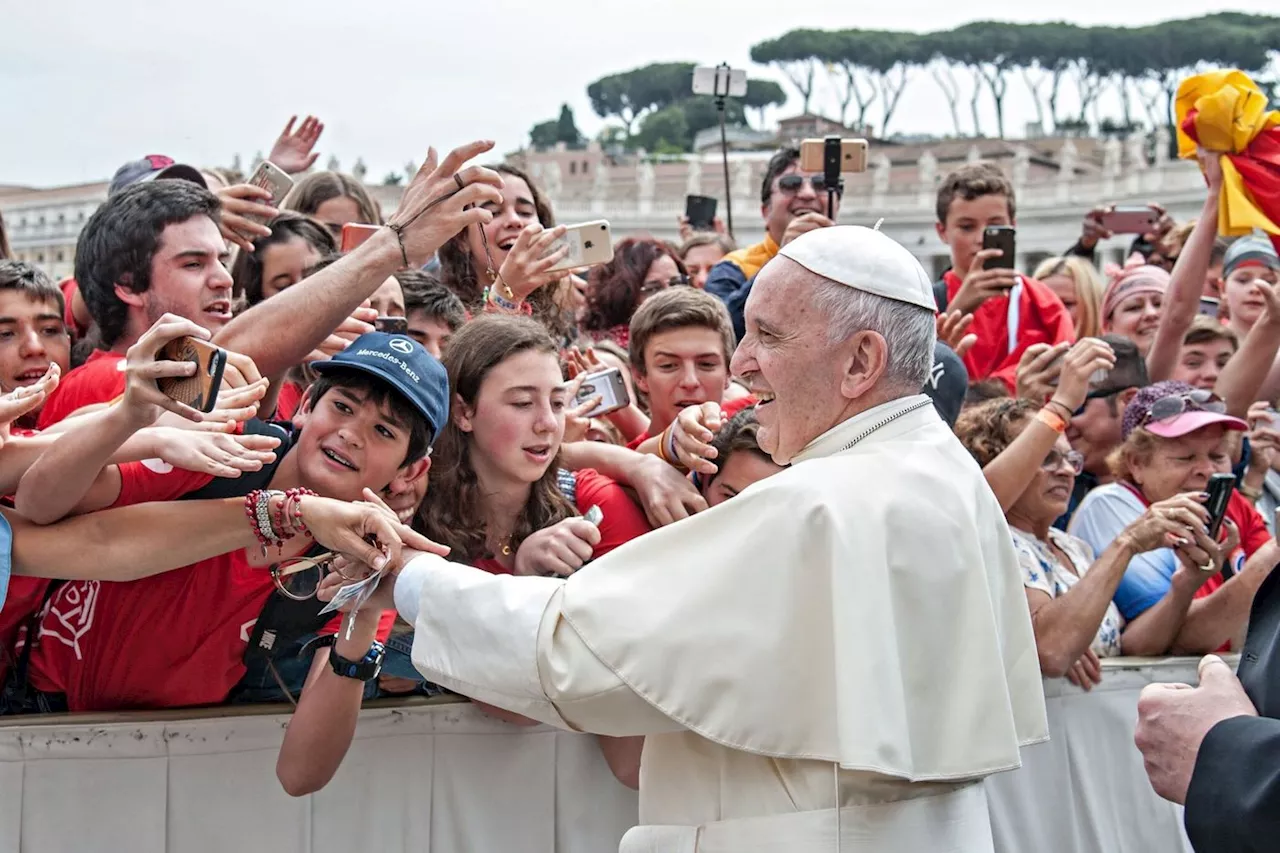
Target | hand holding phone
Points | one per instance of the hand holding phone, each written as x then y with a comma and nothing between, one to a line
609,386
271,178
173,367
1001,237
700,210
1219,494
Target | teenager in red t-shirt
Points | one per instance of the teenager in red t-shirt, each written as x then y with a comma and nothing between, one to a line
680,345
498,497
181,638
970,200
32,333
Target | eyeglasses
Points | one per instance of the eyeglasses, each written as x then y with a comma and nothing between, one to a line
793,183
299,578
1053,461
651,287
1193,401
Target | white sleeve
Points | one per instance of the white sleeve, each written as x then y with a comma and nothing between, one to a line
499,639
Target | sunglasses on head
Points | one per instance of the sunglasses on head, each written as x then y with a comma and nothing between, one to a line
1176,404
793,183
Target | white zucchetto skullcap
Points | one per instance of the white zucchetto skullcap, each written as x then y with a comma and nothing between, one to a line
864,260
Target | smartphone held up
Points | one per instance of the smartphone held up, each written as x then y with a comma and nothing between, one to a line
199,391
590,244
1000,237
609,386
273,179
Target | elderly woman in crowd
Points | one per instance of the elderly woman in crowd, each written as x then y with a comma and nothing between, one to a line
1194,597
1032,469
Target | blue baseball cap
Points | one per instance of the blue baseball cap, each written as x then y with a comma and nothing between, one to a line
153,167
6,557
405,365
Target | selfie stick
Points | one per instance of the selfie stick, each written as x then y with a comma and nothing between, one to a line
831,171
722,92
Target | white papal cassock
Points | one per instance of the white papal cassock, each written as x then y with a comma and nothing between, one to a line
854,624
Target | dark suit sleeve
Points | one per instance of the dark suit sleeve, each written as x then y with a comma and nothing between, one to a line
728,283
1233,802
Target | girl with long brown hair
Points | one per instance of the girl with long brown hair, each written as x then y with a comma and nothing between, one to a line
507,261
498,497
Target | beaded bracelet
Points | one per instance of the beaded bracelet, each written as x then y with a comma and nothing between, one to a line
257,506
291,511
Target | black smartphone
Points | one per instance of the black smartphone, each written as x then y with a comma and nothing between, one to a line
700,210
999,237
1219,491
392,325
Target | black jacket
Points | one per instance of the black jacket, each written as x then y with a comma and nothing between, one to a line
1233,803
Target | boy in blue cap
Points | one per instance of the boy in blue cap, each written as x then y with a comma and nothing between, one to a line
189,637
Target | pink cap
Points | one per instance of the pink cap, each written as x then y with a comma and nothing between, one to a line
1189,422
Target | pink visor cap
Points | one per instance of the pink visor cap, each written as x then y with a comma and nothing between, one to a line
1189,422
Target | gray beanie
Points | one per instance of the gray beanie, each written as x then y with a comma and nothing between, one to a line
1250,250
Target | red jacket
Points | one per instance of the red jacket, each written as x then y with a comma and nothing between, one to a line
1040,318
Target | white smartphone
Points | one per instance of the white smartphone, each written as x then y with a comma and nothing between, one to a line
609,385
590,243
271,178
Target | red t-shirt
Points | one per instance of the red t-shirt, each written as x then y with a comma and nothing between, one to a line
171,640
100,379
1041,318
288,401
69,290
727,410
23,599
622,522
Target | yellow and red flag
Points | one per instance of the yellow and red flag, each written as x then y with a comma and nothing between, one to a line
1226,112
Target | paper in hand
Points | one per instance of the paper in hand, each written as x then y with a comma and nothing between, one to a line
358,592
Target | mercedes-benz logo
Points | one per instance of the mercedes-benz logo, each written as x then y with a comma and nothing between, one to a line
402,346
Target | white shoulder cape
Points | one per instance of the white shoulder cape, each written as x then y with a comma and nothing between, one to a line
863,607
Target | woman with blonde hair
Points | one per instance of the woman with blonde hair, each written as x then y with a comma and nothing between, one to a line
1079,286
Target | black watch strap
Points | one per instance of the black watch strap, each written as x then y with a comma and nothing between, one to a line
365,669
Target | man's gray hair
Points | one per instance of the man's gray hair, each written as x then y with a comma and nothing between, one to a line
909,330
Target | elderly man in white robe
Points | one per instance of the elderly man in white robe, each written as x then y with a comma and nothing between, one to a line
832,660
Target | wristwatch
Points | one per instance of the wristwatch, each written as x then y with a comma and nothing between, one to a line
365,669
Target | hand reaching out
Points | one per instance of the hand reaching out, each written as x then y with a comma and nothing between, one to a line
953,330
26,399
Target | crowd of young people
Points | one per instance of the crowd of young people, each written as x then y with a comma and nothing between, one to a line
163,557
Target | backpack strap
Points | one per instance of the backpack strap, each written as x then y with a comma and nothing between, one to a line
940,294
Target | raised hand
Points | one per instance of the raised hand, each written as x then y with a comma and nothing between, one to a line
444,198
293,149
526,266
953,330
26,399
1039,370
1087,357
983,284
242,206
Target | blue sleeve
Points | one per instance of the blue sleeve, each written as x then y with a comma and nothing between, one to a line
728,284
1098,522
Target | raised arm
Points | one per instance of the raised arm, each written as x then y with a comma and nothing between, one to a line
441,201
1012,470
1186,284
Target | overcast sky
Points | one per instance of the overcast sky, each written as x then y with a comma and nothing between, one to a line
88,84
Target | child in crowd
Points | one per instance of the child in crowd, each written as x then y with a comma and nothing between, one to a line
500,501
970,200
189,637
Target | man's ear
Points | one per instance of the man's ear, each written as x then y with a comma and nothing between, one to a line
641,382
941,228
1125,397
126,295
462,414
865,365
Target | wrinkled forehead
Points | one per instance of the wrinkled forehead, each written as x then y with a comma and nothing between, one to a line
782,297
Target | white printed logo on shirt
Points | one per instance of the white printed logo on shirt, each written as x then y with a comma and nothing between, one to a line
71,614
